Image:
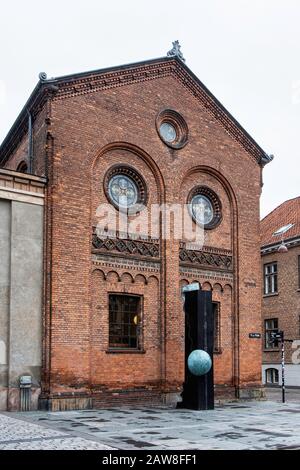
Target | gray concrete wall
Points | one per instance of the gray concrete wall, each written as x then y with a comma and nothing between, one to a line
292,373
21,250
5,213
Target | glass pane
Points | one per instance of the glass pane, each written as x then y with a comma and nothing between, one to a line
202,209
275,283
123,191
269,285
167,132
123,331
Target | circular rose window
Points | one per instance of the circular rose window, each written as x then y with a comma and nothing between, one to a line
125,188
123,191
172,128
205,207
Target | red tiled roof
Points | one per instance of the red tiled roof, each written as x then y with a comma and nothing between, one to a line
287,213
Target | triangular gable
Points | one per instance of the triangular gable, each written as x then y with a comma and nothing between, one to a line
88,82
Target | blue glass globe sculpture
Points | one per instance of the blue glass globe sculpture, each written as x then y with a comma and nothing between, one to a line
199,362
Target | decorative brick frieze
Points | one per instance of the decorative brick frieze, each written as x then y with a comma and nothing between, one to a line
195,273
208,257
78,86
131,247
125,263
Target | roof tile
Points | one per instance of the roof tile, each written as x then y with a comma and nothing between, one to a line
287,213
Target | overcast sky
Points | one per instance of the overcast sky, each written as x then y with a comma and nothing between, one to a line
247,52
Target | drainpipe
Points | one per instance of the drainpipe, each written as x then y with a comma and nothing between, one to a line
30,143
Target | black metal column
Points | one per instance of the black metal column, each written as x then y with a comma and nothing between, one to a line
198,392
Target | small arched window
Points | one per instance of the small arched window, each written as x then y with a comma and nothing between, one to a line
272,376
22,167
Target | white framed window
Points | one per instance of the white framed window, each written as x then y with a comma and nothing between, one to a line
272,376
270,278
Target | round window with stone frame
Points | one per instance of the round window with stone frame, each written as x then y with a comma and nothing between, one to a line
205,207
125,189
172,128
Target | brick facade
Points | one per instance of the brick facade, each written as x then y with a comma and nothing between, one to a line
284,304
83,126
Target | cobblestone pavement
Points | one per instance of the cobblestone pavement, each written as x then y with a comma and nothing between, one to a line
16,434
247,425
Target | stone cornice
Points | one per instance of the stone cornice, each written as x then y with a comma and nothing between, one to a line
21,187
272,248
23,178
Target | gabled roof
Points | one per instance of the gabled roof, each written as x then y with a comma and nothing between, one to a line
87,82
287,213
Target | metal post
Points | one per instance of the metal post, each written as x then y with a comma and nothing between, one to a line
282,368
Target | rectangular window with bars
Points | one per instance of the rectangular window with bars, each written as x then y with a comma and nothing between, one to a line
270,278
271,326
125,321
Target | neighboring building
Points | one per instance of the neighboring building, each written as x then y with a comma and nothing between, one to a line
113,322
21,282
281,290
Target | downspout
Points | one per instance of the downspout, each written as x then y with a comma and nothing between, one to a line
30,143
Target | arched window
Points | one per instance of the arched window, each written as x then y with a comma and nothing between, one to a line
22,167
272,376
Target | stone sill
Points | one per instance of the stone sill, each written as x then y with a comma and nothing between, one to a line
125,351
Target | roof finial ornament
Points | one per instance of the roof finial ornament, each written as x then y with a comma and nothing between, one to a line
42,76
266,159
175,51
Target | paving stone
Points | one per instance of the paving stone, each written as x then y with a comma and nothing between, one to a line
251,425
57,444
16,434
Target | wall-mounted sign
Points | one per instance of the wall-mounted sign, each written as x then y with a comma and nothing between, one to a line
255,335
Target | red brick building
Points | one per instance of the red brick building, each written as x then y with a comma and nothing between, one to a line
281,290
113,323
